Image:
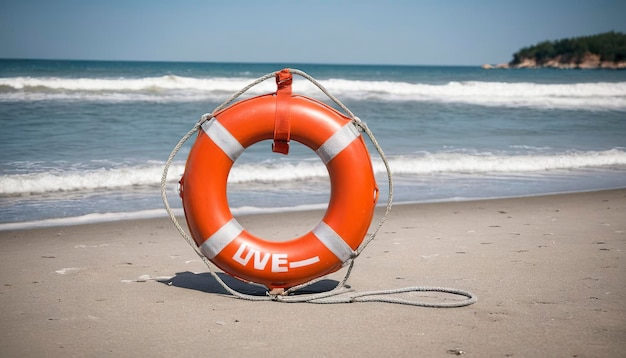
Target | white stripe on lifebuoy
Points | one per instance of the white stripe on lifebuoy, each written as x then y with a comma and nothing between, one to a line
306,262
332,241
212,246
337,142
223,139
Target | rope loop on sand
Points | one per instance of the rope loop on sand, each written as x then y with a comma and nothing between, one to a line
341,293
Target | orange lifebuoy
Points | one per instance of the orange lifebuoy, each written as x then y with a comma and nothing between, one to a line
331,243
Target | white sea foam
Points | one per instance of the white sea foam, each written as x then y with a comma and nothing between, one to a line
168,82
62,181
171,88
144,214
490,163
88,219
270,171
168,88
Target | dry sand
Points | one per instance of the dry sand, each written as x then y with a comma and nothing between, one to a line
549,273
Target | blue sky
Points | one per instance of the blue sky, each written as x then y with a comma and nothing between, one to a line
418,32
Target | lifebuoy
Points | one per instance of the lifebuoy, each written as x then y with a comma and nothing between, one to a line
281,116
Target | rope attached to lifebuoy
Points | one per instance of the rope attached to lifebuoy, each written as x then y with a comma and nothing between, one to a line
341,293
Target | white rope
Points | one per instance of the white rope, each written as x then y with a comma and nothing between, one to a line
341,293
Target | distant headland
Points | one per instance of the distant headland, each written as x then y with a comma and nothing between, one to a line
602,51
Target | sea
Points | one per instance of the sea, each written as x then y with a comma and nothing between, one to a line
86,141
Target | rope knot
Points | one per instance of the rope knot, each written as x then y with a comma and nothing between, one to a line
276,294
205,117
359,124
283,78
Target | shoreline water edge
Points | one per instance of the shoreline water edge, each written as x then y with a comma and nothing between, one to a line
100,218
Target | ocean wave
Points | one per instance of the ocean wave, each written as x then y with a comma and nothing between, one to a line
287,172
479,163
172,88
146,214
88,219
74,180
169,88
594,96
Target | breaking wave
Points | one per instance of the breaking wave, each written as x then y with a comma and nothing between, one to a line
283,172
172,88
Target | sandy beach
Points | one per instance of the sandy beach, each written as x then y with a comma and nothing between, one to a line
549,273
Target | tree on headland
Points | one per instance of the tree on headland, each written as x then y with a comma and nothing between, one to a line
606,50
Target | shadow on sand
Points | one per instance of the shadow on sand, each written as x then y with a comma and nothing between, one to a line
206,283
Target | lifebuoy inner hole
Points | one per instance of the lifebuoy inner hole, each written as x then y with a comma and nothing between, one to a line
263,184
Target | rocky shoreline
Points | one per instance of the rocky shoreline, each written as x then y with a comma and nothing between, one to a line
589,61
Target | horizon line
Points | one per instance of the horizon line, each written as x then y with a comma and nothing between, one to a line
241,62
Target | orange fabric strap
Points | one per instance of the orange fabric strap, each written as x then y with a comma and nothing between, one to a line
282,126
